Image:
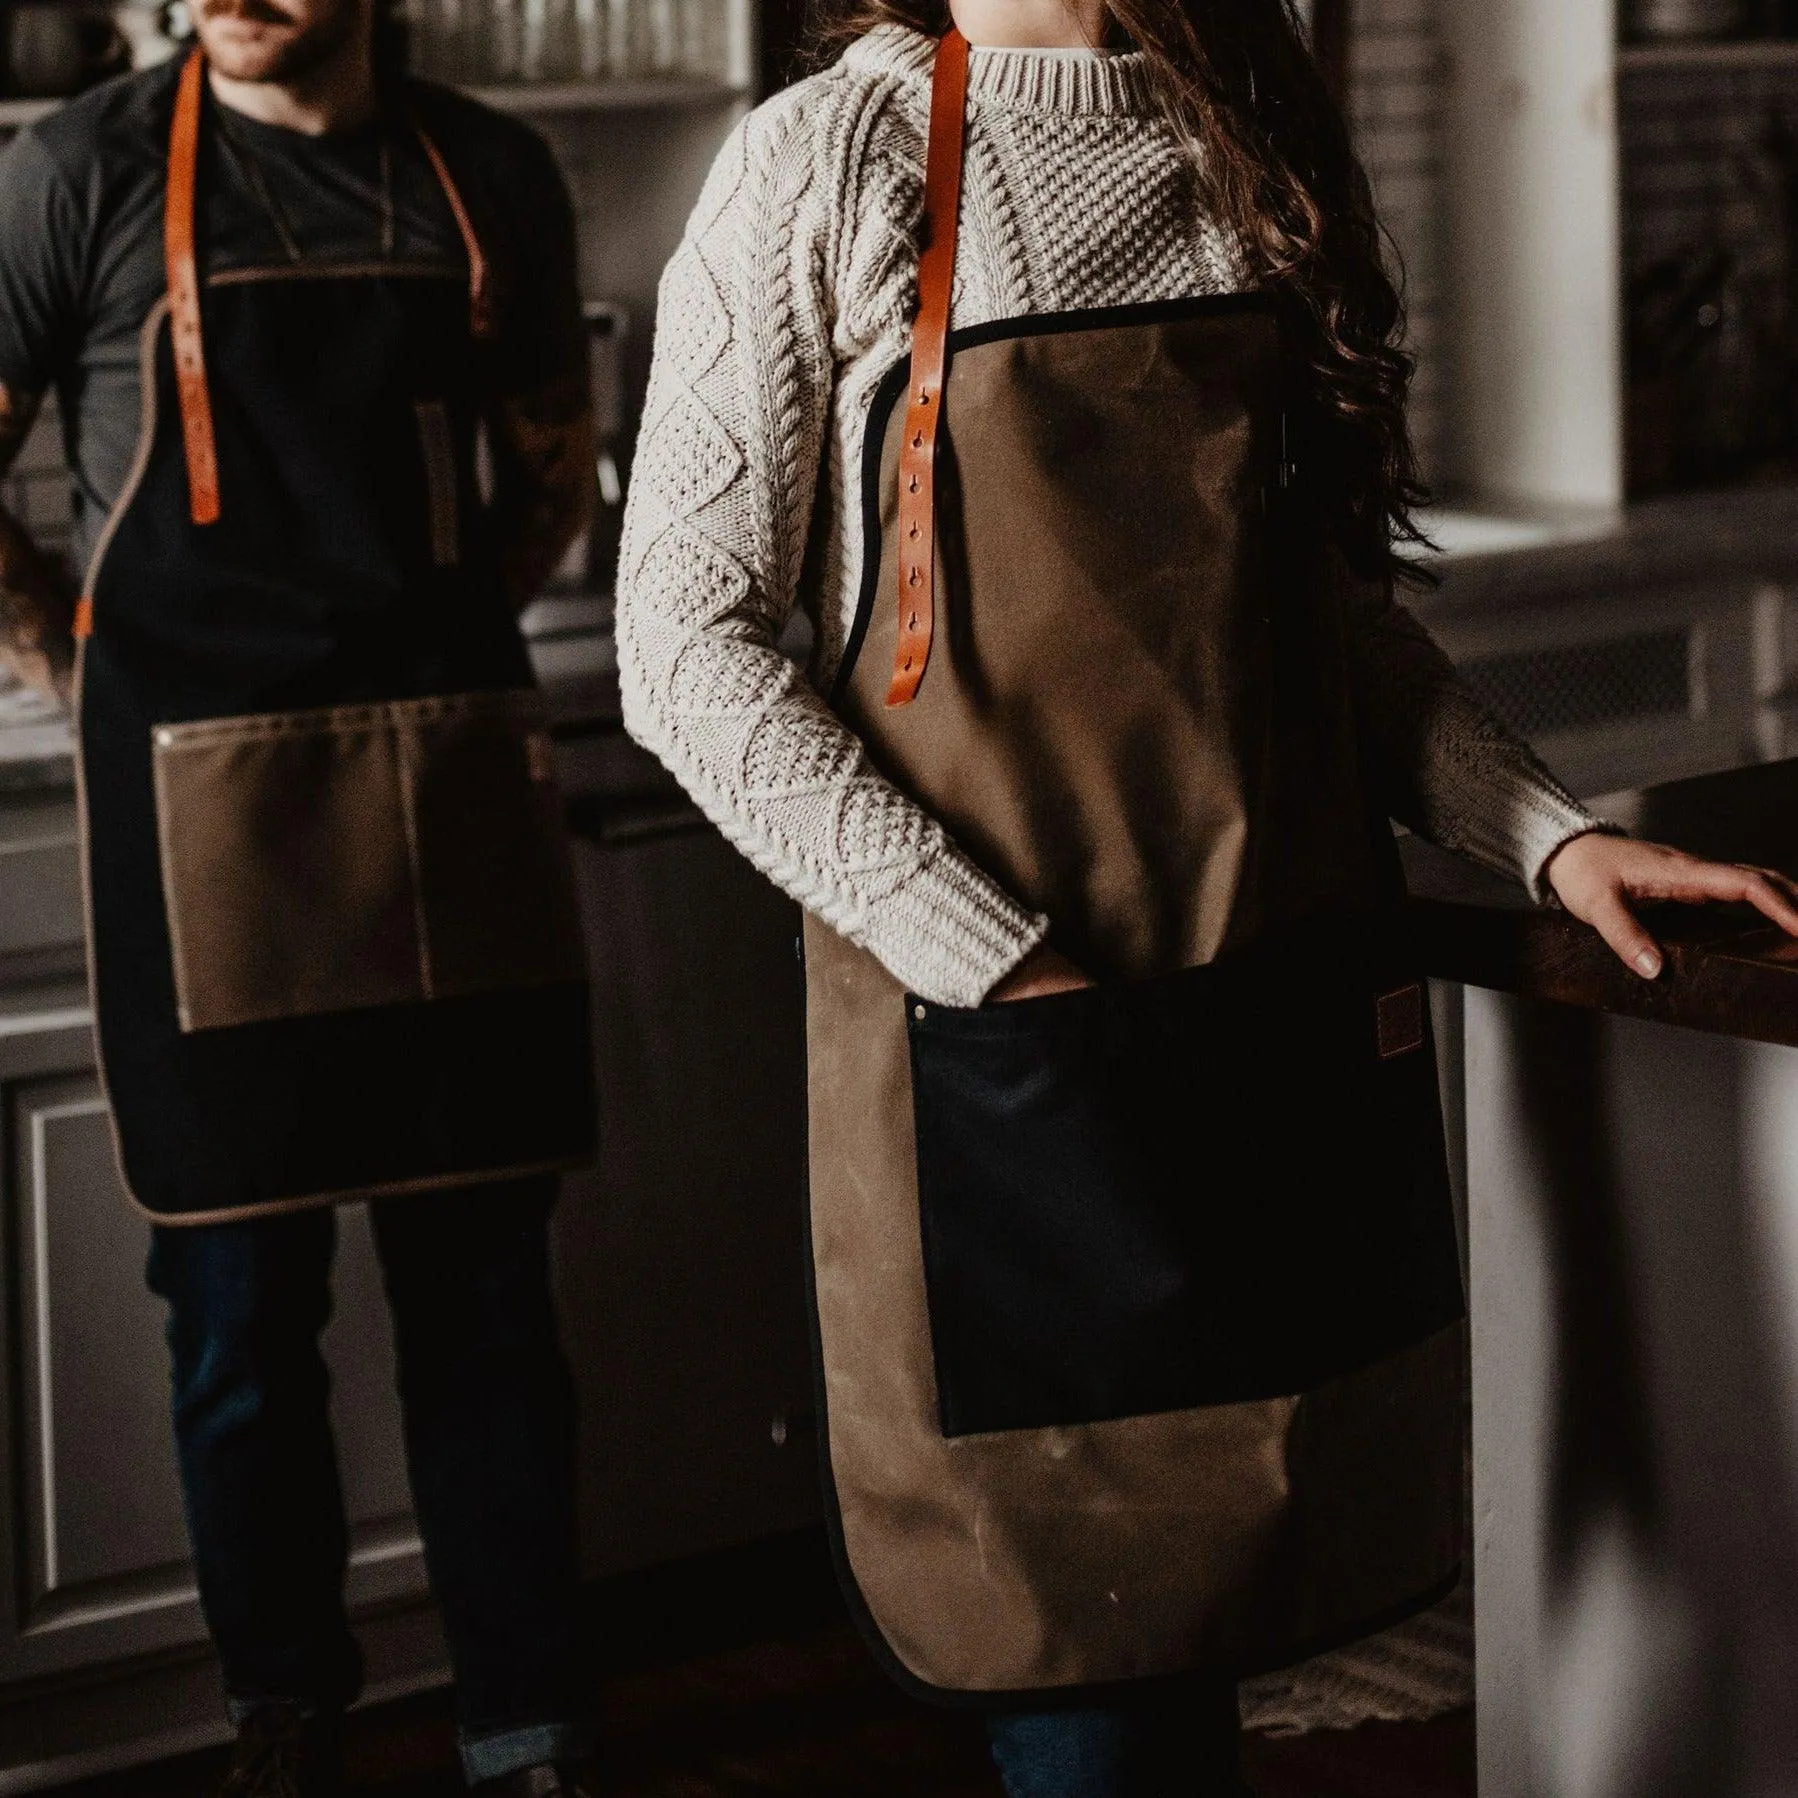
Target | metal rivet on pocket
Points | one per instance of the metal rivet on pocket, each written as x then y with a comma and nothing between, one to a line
918,1013
165,737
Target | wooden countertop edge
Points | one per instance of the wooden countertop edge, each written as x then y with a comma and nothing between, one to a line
1717,977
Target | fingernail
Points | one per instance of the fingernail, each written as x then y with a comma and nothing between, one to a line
1648,964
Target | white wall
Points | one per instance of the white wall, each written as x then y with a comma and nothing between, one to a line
1532,194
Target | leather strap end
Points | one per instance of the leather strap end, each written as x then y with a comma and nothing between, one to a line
181,268
483,324
929,368
202,463
908,677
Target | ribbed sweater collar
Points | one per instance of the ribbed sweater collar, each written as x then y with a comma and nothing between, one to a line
1027,79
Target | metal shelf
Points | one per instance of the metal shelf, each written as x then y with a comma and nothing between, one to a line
1741,53
612,95
638,94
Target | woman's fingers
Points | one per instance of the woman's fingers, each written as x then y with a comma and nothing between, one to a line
1612,918
1599,877
1770,893
1775,897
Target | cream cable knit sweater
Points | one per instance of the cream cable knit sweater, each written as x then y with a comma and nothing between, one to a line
789,298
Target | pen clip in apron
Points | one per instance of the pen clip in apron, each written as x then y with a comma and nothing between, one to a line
334,938
1138,1308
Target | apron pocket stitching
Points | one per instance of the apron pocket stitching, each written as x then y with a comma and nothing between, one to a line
402,753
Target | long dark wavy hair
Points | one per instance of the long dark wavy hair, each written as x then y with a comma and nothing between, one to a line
1279,175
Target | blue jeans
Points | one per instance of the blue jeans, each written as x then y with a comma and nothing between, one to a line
489,1433
1172,1739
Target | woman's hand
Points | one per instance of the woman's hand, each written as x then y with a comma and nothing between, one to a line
1597,875
1041,972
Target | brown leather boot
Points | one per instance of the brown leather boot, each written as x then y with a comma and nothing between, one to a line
283,1752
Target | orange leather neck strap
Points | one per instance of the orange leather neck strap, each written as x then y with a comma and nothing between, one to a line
929,367
184,284
480,286
184,296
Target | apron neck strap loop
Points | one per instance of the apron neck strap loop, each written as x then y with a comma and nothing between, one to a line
184,296
481,322
182,268
929,367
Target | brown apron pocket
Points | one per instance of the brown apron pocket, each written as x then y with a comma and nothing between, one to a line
1207,1188
496,888
359,856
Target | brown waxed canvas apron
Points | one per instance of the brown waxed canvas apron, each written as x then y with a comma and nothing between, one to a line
335,942
1138,1308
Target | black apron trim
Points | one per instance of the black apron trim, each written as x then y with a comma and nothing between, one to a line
892,386
1034,1698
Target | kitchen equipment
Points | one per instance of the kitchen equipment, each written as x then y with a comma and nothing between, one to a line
55,48
1675,19
1675,310
592,562
1712,334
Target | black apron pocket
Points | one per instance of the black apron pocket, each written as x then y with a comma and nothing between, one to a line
1217,1186
362,856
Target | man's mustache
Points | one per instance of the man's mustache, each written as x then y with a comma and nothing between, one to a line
254,12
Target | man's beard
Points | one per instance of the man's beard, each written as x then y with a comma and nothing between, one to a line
291,57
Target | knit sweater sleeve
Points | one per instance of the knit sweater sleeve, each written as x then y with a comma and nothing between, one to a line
715,532
1448,769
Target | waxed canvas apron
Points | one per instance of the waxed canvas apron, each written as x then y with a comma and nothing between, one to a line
334,939
1138,1308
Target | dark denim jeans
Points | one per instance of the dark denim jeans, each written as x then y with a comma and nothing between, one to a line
1172,1739
489,1431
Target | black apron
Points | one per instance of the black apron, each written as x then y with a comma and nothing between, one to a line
299,581
1138,1307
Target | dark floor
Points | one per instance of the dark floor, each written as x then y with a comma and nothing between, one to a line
740,1679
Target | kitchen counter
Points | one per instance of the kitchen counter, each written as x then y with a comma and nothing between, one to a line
571,649
1631,1175
1727,971
1729,532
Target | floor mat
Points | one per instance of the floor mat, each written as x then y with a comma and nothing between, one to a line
1420,1670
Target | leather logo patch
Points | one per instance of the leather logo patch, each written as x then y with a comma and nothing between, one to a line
542,754
1398,1020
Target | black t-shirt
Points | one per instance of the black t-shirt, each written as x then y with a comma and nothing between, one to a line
81,254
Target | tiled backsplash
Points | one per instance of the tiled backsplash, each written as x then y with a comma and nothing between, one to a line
1398,75
1710,250
1697,161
